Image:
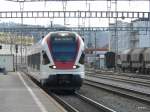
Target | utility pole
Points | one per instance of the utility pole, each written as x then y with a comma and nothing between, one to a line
78,23
21,9
64,3
95,50
116,36
149,23
109,9
116,33
89,39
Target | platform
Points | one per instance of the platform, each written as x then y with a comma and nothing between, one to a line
19,94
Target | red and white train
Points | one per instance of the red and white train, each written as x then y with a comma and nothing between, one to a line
57,60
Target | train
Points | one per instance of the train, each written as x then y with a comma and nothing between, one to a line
132,60
109,59
136,60
57,61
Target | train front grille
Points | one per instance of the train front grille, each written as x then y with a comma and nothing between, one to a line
64,79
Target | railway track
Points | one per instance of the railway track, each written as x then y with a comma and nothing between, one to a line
75,102
144,98
121,79
133,75
80,103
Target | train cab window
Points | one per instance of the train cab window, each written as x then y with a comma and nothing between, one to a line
64,47
45,59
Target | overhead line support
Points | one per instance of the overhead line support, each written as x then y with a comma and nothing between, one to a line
74,14
67,0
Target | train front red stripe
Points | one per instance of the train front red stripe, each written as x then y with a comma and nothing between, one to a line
64,65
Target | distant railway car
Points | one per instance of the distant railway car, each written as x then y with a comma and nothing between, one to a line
57,61
110,59
125,58
146,59
137,59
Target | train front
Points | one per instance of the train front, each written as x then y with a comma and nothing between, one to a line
65,51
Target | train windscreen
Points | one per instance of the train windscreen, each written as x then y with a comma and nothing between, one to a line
64,47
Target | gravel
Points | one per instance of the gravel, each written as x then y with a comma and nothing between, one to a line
114,101
79,104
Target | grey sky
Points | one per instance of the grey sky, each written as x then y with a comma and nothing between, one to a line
99,5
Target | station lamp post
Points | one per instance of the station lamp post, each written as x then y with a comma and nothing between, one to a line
16,47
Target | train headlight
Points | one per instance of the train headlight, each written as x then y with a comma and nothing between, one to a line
54,66
74,66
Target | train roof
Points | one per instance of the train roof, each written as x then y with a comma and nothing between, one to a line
127,51
109,52
138,51
56,32
52,34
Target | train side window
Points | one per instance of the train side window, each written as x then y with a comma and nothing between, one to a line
83,39
81,61
45,59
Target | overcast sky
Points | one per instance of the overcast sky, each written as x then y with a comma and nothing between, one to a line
52,6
